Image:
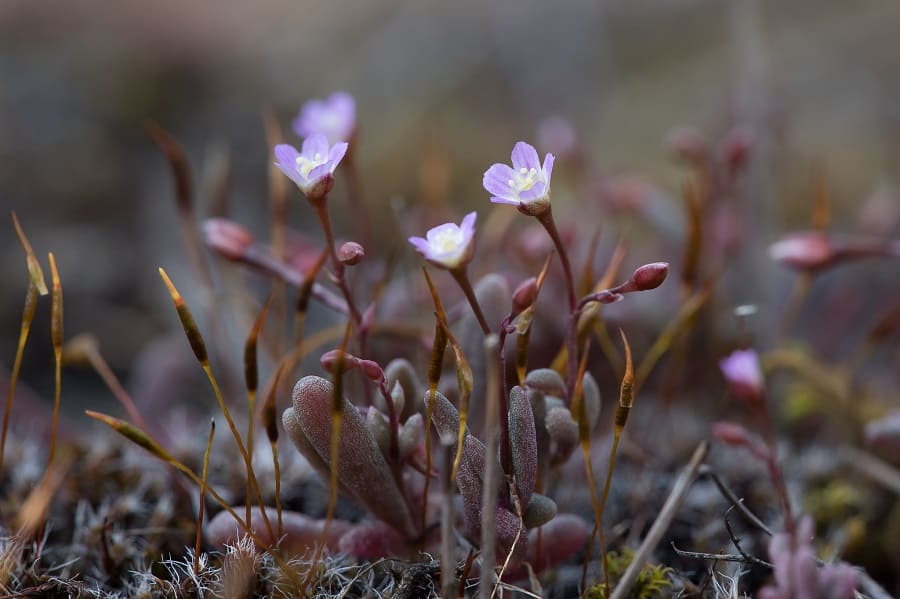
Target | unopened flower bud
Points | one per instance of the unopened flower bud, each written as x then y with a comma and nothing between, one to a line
803,251
524,295
329,360
227,238
372,370
650,276
735,149
351,253
688,144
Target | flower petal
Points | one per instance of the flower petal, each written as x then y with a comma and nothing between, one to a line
538,190
468,225
549,159
499,200
337,154
315,144
435,232
420,244
525,156
496,179
319,172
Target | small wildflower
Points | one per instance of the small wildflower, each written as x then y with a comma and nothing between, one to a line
525,185
335,118
312,169
448,246
742,371
796,572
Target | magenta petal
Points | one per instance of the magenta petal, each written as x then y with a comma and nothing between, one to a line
524,155
496,179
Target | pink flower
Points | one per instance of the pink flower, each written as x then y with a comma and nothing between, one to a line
312,169
743,374
448,246
797,575
526,184
335,118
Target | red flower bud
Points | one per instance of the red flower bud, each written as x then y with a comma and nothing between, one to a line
351,253
227,238
650,276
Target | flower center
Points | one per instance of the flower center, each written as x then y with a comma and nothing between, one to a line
447,240
306,164
525,178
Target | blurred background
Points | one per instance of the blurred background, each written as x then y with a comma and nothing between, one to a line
443,90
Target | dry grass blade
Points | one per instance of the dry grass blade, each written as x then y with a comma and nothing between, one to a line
666,514
33,512
491,468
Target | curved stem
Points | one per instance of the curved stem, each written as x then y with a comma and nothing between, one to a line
462,279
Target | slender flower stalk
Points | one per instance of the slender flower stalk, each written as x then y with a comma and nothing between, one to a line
451,247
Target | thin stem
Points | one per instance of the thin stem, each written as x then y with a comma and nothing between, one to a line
491,475
546,219
27,317
462,279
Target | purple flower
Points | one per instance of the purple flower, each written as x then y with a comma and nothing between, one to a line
526,184
796,573
741,370
335,118
448,246
312,169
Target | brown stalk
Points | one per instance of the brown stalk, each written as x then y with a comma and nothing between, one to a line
86,347
195,338
439,346
270,421
251,381
56,338
36,286
203,487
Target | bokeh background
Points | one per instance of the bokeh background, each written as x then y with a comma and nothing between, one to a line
443,88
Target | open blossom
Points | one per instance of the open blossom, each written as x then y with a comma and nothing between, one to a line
335,118
448,246
743,374
312,169
526,184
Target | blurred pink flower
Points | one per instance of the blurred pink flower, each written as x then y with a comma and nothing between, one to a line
526,184
797,575
335,118
743,374
448,246
312,169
